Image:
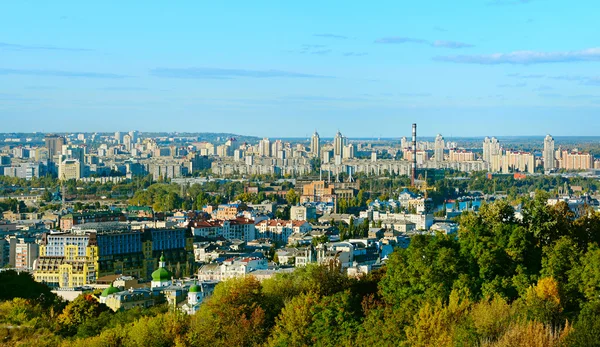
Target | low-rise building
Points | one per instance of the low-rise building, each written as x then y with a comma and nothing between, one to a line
238,228
280,230
231,268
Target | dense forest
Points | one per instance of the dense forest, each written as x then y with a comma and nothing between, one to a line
500,282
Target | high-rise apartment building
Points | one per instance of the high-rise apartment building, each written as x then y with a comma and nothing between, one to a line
348,151
404,143
548,155
573,160
54,144
491,147
276,147
338,144
439,148
69,169
264,147
315,145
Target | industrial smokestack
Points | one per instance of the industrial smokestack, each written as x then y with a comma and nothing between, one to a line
414,152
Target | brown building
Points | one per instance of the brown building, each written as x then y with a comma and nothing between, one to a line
68,221
318,191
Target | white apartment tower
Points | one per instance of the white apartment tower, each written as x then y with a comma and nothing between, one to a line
338,144
264,148
439,148
491,147
549,161
315,145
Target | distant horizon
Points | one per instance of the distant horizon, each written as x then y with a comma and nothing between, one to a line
306,137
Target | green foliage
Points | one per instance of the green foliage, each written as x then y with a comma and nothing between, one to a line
22,285
500,282
77,312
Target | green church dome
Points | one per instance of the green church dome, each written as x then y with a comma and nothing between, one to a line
161,275
195,288
110,290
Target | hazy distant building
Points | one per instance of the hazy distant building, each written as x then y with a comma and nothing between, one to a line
264,147
348,151
69,169
461,155
491,147
548,155
404,143
338,145
439,148
54,144
574,160
315,145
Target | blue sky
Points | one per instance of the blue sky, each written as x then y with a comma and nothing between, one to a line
284,68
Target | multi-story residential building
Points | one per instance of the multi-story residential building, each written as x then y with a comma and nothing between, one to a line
348,151
303,213
574,160
68,221
26,252
338,144
27,170
315,145
227,211
317,191
491,147
54,144
461,155
548,155
91,251
69,169
234,229
510,161
422,156
280,230
264,148
439,148
231,268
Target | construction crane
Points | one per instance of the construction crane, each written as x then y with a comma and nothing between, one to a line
423,186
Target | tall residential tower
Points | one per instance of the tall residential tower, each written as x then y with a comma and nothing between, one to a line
315,145
549,160
439,148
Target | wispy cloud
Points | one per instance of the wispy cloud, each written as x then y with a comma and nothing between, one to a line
508,2
543,88
332,36
312,49
19,47
420,95
584,80
218,73
438,28
355,54
60,73
437,43
323,98
518,85
400,39
529,76
119,89
41,87
524,57
450,44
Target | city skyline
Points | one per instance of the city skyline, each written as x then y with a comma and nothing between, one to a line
258,66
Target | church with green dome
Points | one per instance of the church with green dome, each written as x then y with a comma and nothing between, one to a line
108,291
161,277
